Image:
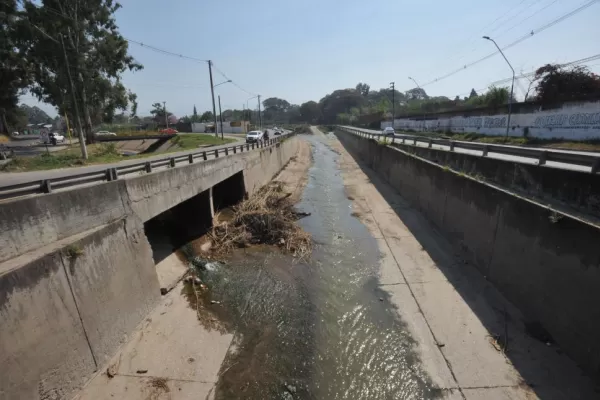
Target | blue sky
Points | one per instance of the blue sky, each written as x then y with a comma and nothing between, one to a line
302,50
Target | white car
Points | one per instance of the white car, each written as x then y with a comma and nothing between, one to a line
58,138
105,133
389,131
254,136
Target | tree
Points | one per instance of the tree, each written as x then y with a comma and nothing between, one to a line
473,94
309,112
97,55
416,94
274,104
363,89
557,84
340,102
195,113
14,71
207,116
134,104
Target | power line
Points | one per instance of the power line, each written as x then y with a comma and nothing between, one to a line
166,52
521,39
232,81
532,74
526,18
458,56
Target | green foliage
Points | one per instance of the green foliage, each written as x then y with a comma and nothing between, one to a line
207,116
73,251
557,84
97,55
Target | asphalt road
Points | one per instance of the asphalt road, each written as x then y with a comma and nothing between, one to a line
13,178
500,156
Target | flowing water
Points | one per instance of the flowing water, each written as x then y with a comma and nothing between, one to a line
323,329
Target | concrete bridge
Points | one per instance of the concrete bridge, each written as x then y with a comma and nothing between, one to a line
77,272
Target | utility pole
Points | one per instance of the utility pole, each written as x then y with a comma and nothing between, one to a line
84,153
259,114
212,93
165,111
221,117
393,86
412,79
512,86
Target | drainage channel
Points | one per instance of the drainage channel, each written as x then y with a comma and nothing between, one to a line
320,329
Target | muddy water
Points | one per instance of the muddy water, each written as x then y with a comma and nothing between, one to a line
317,330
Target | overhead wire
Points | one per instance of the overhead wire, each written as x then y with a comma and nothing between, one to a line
161,51
514,43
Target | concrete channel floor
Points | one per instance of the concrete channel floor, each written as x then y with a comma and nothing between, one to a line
170,356
454,314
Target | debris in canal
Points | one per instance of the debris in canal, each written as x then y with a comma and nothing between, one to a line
268,217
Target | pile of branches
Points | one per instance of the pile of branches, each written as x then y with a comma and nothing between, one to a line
268,217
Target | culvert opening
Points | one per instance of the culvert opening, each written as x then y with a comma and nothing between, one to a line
177,226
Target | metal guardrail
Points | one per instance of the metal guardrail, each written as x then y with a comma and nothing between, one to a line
114,173
542,156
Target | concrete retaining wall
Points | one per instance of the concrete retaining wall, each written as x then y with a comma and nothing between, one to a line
30,223
570,122
547,264
577,191
77,274
67,307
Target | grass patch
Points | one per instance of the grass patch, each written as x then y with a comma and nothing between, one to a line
4,138
193,140
102,153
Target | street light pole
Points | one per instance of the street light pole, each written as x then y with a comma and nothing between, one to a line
413,79
165,111
259,114
393,86
221,117
212,93
512,86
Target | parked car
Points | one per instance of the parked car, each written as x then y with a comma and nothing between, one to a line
169,131
15,134
105,133
278,132
53,138
254,136
389,131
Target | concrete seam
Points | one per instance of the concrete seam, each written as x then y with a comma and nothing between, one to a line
418,305
489,266
87,338
167,378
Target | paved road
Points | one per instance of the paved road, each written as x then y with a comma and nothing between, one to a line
500,156
13,178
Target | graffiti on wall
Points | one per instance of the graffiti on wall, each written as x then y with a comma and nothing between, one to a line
575,120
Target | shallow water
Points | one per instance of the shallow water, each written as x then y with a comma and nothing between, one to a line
317,330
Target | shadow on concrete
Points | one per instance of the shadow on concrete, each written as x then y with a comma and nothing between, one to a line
544,368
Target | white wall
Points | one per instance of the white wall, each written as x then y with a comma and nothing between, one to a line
572,122
227,128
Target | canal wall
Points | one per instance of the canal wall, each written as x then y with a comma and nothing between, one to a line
545,262
573,191
77,273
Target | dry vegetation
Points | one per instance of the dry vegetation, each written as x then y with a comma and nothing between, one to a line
268,218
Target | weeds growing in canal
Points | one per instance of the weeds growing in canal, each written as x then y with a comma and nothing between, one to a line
268,217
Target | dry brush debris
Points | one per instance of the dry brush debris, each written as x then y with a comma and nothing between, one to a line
268,217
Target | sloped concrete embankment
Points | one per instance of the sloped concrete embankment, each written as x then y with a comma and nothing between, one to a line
545,262
77,274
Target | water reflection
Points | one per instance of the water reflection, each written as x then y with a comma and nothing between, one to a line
324,330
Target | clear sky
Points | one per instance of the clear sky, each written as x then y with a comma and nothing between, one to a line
302,50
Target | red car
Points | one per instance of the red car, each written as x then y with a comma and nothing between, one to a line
169,131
